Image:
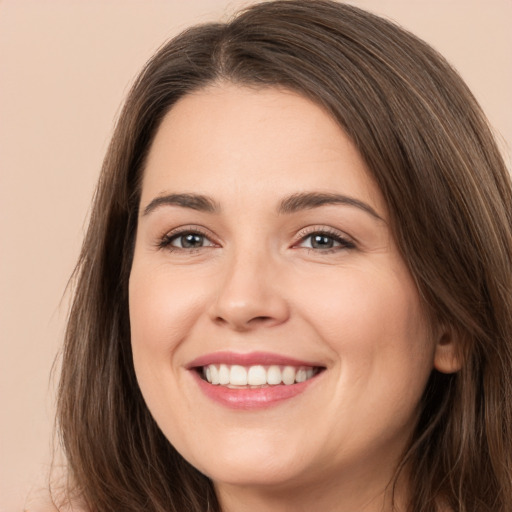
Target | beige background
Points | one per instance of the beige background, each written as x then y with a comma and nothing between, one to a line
65,67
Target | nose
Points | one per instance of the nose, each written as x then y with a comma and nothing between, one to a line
249,295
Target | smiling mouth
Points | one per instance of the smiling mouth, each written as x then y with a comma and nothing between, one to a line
256,376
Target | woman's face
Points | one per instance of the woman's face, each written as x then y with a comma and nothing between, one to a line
263,254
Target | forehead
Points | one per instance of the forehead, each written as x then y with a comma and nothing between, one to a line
227,139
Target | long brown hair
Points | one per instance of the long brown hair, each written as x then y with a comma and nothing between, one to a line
430,150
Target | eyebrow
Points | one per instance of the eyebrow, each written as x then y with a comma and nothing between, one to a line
294,203
194,201
310,200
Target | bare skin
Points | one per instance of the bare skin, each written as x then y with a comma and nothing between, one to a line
242,270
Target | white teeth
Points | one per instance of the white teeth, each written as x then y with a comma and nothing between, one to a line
258,375
214,372
274,375
238,376
288,375
301,375
223,375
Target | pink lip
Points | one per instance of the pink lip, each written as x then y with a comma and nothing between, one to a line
249,359
250,398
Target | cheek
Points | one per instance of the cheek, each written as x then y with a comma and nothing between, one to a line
162,310
365,304
374,323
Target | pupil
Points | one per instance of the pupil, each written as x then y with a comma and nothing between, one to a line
192,240
322,242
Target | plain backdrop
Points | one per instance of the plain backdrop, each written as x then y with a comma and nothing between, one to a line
65,67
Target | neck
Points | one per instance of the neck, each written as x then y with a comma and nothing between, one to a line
342,494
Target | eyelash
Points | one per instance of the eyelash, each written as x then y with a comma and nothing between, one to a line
166,241
344,243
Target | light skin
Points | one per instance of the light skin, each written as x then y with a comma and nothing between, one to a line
318,279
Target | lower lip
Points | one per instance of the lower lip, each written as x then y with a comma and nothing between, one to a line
251,398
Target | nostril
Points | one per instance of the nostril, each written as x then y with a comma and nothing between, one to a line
246,324
261,319
253,311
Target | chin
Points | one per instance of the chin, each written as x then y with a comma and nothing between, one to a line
254,465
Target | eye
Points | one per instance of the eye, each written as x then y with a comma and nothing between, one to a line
185,240
325,241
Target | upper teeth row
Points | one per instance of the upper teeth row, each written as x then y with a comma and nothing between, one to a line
258,375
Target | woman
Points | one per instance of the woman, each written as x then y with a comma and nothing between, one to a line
296,288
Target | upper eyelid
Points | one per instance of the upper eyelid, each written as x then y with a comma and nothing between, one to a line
189,229
300,235
311,230
164,241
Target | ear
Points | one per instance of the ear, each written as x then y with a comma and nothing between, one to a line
448,352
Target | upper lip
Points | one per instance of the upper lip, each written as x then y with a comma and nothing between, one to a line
249,359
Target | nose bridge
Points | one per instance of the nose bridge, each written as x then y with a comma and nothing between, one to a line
249,293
